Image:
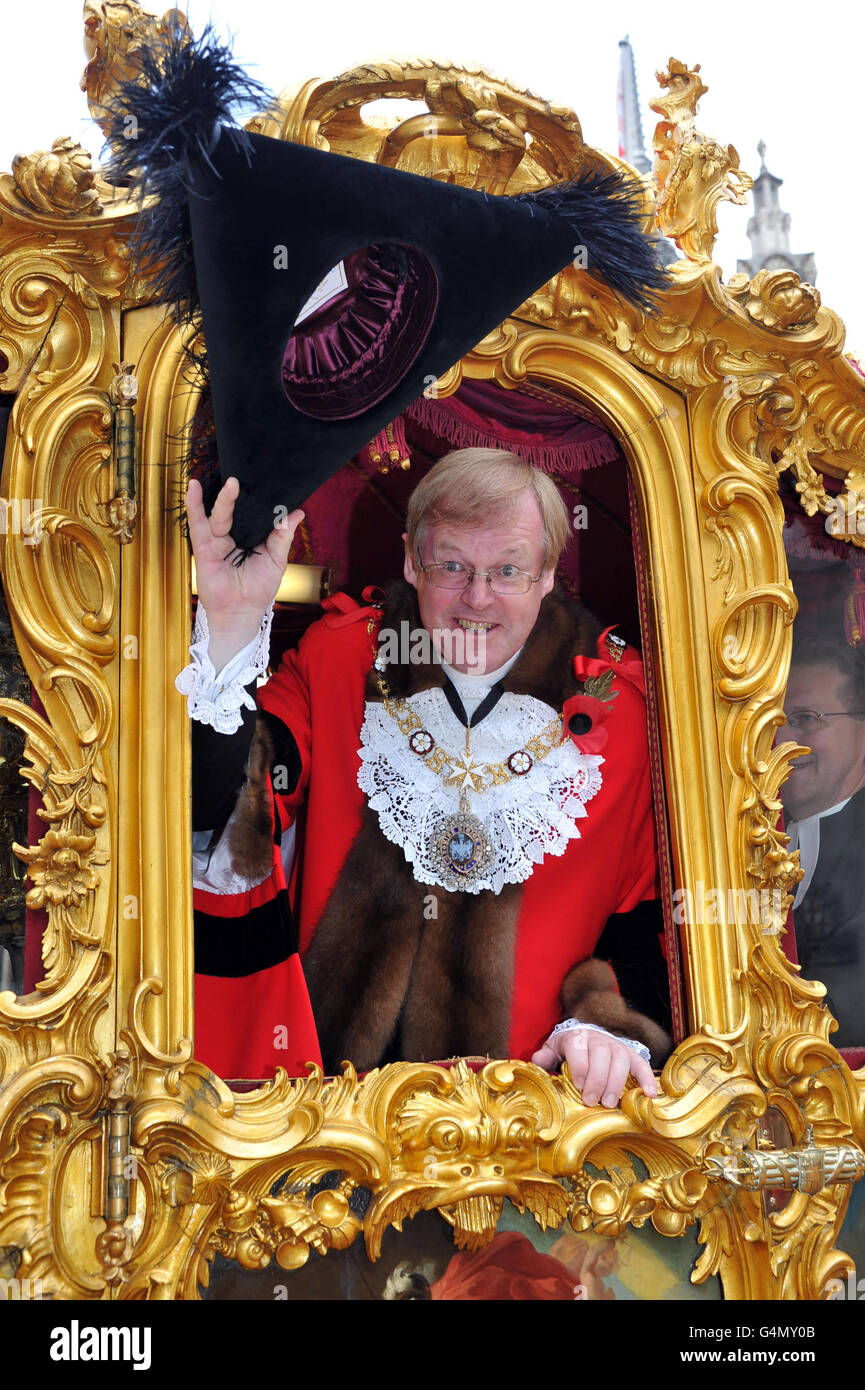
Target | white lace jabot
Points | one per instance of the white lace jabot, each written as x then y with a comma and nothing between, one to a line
526,818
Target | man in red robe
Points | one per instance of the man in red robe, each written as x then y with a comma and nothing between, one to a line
467,759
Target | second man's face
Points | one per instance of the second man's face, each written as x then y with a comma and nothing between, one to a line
835,767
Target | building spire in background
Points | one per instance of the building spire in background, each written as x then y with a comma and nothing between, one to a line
631,146
769,231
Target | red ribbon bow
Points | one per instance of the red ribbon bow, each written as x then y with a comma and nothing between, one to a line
349,610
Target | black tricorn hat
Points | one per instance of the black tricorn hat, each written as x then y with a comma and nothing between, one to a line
332,291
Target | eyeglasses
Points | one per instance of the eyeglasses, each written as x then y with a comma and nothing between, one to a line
810,721
507,579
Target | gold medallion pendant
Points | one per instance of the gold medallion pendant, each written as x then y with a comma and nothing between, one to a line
460,848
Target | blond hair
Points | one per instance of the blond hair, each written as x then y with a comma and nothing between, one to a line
472,486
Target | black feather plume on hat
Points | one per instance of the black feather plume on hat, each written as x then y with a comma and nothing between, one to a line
604,209
162,124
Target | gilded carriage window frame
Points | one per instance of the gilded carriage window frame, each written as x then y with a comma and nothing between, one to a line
101,1093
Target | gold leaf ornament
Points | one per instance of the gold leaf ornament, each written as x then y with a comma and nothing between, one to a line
59,180
600,687
778,299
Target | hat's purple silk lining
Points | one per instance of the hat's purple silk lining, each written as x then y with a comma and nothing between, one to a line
347,357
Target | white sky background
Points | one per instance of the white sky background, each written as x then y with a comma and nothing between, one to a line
791,74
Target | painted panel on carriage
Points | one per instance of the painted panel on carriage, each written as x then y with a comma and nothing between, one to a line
522,1262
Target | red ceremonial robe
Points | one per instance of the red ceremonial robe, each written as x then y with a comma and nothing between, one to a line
372,962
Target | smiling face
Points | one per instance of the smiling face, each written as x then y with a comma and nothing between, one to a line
505,619
835,767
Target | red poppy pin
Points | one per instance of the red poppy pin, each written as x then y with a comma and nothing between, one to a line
585,713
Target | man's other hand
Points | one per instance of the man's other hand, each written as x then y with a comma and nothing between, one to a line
599,1064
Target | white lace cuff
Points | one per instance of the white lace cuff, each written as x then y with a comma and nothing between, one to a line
569,1025
217,698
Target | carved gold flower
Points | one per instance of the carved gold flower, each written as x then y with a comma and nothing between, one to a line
812,493
785,870
61,868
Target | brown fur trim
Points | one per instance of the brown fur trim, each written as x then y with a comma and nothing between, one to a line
250,831
359,961
393,954
589,993
545,666
459,997
403,678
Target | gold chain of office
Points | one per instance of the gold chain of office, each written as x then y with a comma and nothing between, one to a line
463,771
